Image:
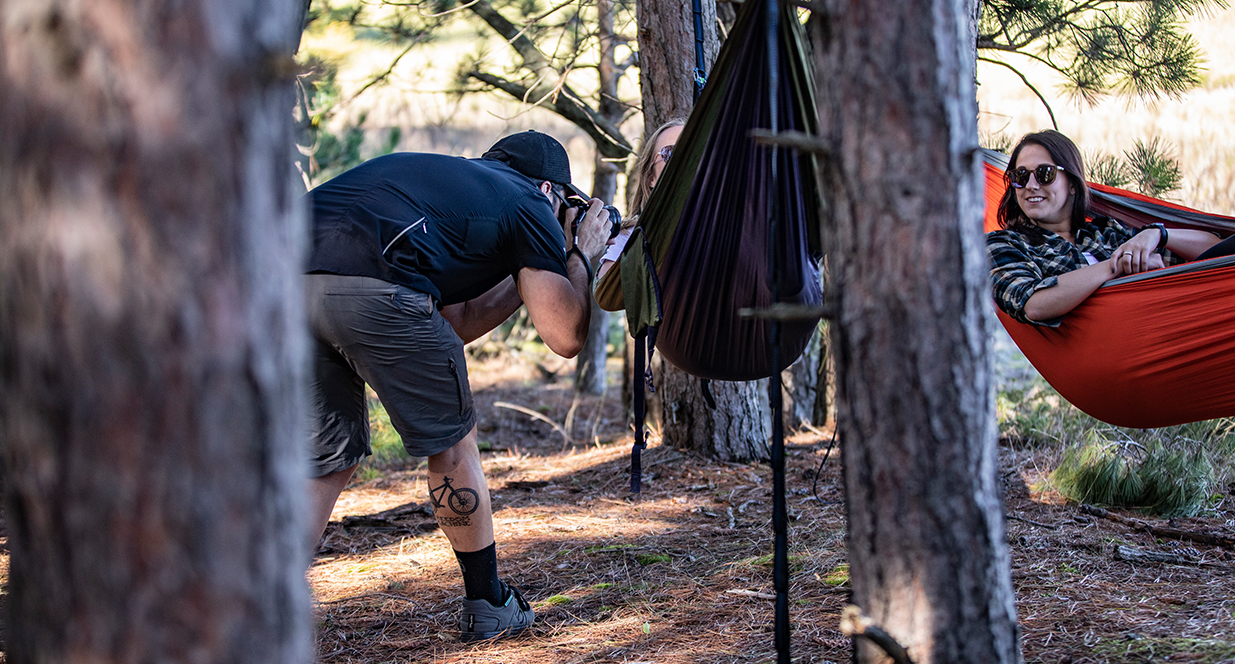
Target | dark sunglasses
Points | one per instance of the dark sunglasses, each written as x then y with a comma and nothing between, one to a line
1045,174
666,152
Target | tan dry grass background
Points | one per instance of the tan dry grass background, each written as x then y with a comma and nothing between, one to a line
1200,126
418,101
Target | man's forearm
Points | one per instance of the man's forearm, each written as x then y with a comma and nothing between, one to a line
579,270
479,316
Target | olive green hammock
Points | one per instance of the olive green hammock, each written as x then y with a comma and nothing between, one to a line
702,252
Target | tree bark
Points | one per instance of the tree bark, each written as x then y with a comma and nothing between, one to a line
667,56
801,382
928,558
590,374
731,430
824,411
152,343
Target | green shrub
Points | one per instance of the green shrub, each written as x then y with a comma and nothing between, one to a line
1155,479
1037,417
386,443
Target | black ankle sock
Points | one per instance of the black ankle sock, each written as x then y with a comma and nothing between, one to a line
480,575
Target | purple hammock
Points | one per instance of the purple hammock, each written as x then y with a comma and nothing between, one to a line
706,240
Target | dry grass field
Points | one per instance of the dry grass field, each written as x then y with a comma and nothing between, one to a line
1200,126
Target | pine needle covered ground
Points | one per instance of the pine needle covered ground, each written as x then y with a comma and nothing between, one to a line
682,573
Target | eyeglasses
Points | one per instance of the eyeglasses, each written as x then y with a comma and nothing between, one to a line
665,153
1044,173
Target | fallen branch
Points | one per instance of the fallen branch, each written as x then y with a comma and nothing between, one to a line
1032,523
1132,555
853,623
535,415
393,519
750,593
526,485
1158,531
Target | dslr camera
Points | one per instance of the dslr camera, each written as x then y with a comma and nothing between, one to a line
581,204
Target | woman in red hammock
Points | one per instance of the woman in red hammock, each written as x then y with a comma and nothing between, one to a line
1048,258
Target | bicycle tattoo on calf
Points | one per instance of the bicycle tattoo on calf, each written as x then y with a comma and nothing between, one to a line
462,501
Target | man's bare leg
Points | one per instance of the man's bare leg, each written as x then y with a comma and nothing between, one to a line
323,494
460,495
460,498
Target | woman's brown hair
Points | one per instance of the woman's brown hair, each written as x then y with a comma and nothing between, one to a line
642,189
1064,153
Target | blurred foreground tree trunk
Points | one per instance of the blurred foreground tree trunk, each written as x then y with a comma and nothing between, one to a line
738,427
927,554
152,344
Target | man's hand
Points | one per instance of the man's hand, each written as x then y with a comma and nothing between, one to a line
593,230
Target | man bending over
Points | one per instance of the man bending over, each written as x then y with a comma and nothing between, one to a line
413,256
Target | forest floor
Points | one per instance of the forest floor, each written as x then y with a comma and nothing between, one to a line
682,572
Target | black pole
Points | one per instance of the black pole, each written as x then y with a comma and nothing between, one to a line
780,520
638,397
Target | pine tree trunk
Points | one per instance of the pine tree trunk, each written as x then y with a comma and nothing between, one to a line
927,551
801,382
667,56
824,411
152,359
723,432
590,374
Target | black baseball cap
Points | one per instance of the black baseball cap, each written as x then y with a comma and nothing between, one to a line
537,155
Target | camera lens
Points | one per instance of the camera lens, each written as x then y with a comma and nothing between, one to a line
615,221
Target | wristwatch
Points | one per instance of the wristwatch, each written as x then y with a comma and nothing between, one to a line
1162,235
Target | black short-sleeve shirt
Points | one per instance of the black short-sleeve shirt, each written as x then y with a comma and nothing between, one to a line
447,226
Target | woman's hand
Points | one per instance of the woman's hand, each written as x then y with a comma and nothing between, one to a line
1137,255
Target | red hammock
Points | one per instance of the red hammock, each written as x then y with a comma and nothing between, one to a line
1146,351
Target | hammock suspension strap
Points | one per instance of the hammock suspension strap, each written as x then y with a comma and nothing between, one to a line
700,74
645,345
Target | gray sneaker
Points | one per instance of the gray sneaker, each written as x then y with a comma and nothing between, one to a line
481,620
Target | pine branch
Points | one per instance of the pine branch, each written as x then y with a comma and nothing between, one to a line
550,85
1028,85
609,141
1134,47
376,79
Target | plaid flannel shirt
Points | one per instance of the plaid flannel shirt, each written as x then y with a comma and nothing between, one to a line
1020,268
